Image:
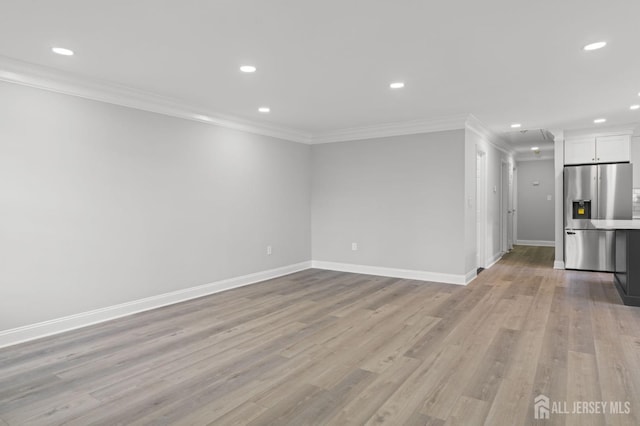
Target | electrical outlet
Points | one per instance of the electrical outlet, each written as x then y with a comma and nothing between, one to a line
354,246
268,250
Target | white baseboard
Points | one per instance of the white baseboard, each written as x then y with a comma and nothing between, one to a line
395,273
470,276
84,319
496,257
539,243
558,264
71,322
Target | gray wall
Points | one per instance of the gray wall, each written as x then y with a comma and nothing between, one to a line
101,204
400,198
535,212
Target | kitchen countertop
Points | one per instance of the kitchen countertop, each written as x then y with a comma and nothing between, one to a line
616,224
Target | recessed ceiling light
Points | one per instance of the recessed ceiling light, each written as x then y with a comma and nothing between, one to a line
634,107
516,125
535,148
248,68
599,120
264,109
595,46
397,85
62,51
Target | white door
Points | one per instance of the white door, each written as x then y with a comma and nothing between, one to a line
481,209
504,208
512,210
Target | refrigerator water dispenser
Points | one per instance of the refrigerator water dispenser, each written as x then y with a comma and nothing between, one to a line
581,209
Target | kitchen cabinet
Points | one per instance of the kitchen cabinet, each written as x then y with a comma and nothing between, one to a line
597,149
580,150
612,149
626,272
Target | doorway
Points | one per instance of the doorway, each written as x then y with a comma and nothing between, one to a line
507,208
481,210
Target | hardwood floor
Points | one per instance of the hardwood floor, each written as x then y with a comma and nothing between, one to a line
322,347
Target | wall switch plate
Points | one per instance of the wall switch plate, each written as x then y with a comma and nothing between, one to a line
548,197
354,246
269,250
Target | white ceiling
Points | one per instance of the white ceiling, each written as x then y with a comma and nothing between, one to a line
523,140
326,65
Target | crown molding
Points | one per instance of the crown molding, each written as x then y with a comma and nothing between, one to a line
46,78
558,135
547,147
440,124
41,77
538,158
625,129
473,124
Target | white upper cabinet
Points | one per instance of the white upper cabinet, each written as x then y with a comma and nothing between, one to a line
580,150
611,149
597,149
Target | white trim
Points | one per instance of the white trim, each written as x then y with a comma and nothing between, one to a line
625,129
18,72
559,197
494,259
505,166
71,322
473,124
539,243
438,124
540,158
470,276
410,274
48,78
513,193
512,203
481,207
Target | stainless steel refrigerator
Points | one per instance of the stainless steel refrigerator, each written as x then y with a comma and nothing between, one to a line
598,191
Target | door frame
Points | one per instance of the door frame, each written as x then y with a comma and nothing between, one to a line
514,207
504,206
481,208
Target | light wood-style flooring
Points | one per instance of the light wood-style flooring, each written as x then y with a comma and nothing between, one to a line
322,347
